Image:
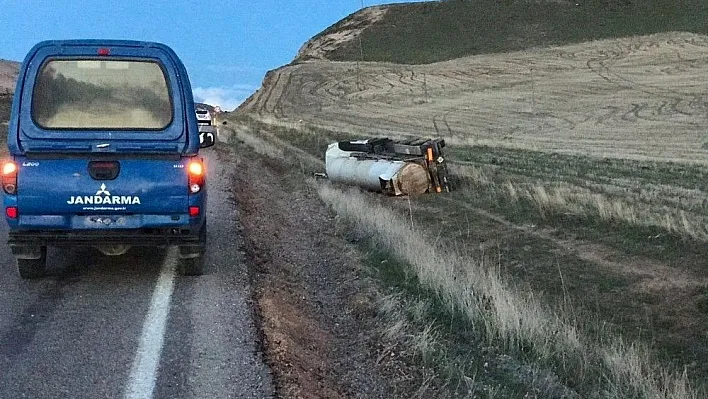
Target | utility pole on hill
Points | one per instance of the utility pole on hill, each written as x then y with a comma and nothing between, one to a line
361,55
536,125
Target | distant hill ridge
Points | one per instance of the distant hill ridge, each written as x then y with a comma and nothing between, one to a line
8,75
433,31
340,34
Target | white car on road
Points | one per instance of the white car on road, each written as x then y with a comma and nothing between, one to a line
204,117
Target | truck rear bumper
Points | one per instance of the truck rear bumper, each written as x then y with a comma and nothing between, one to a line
134,237
101,223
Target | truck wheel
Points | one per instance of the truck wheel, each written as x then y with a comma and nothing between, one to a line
194,266
33,268
203,237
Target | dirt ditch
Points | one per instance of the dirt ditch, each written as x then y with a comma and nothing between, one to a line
317,308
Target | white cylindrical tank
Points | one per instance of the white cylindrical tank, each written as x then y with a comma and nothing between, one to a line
395,177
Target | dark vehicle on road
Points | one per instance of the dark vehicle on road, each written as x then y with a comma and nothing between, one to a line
104,143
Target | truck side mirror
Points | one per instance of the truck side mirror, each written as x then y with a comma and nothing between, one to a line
206,139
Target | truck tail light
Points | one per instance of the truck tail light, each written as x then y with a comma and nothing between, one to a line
9,178
194,211
11,212
195,170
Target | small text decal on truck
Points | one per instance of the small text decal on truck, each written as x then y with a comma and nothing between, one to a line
104,197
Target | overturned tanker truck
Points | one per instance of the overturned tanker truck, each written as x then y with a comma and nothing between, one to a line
408,167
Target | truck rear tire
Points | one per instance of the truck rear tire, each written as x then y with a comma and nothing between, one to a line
33,268
194,266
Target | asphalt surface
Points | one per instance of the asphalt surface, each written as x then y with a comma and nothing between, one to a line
127,327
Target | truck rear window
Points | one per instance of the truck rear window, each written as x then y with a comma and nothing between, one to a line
101,94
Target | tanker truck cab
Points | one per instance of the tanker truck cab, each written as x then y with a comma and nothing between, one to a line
104,152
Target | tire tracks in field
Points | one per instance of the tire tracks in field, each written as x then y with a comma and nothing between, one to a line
655,273
667,295
619,87
443,118
277,108
602,66
261,103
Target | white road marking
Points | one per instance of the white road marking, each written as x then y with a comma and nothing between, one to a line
144,371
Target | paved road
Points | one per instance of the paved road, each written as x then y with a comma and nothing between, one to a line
127,327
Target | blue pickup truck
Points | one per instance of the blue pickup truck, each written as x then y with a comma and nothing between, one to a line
103,143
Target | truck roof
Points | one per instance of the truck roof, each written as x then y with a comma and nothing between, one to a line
102,43
143,48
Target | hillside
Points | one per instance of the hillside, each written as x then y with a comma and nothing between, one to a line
630,97
8,76
433,31
490,72
576,139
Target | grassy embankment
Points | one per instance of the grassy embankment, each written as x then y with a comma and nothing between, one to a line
525,278
561,322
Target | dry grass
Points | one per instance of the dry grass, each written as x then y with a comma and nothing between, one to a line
673,209
513,320
421,342
275,139
516,321
258,144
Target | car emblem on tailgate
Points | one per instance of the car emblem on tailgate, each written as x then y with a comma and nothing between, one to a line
103,190
103,197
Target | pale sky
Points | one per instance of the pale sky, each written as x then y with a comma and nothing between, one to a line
226,46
